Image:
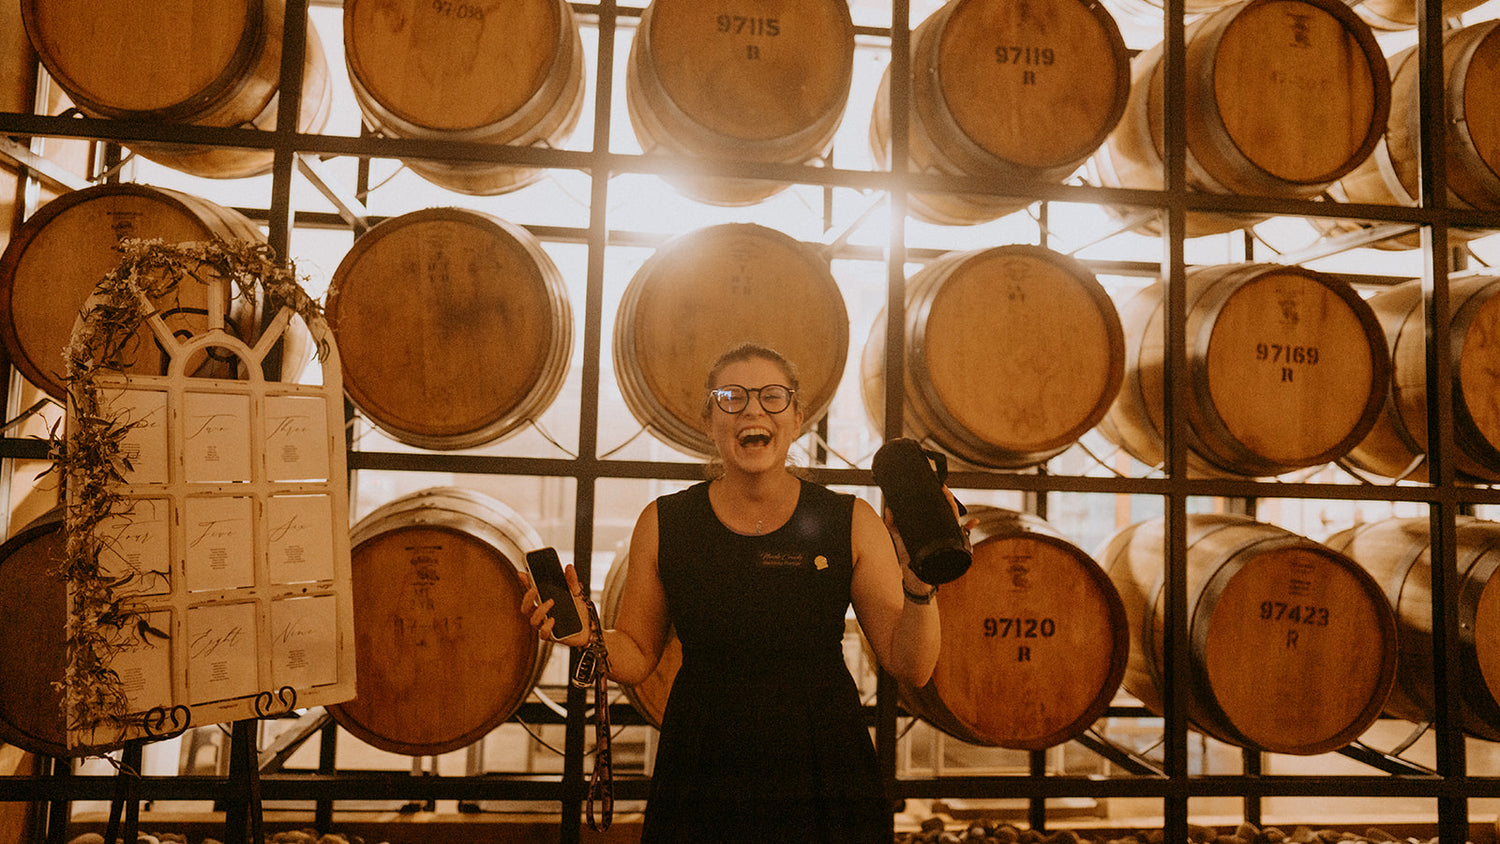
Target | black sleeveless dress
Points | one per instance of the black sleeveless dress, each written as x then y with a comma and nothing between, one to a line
762,737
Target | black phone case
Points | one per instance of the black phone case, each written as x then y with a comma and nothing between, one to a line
547,573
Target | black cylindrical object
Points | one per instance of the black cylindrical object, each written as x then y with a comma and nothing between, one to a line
914,492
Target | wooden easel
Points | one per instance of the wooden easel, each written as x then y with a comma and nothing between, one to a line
256,477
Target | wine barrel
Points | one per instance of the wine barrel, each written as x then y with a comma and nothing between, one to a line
1034,640
203,62
1012,353
20,822
57,257
17,94
17,66
34,488
442,656
1398,554
1471,73
478,71
768,87
649,697
34,623
1395,15
1152,11
10,181
1288,369
706,291
486,327
1291,645
1006,91
1471,93
1284,97
1400,433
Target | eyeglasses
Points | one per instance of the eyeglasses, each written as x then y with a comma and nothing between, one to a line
733,398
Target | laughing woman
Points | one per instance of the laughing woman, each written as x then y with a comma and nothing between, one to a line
763,738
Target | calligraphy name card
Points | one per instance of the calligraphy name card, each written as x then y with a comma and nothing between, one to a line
216,437
219,533
221,652
296,441
144,445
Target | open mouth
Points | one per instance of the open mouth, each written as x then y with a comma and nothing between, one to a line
754,437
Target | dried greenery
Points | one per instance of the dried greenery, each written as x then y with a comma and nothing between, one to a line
91,457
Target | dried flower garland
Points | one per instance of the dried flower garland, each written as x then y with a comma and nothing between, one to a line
91,458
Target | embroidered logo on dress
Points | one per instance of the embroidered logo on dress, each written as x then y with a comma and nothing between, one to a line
782,559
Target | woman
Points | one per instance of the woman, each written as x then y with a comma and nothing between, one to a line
762,737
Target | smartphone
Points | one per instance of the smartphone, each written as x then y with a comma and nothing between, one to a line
547,573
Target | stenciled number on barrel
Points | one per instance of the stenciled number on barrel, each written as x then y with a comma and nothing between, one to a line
743,25
1277,353
1025,57
462,11
1303,613
1307,614
1020,628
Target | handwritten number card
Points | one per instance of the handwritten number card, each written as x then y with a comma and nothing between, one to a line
143,414
300,538
303,641
218,542
221,652
135,548
294,439
216,437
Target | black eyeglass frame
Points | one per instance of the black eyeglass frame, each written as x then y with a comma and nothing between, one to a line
720,396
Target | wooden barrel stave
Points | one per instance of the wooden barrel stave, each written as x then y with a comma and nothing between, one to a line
1252,414
432,74
1261,675
34,622
1151,11
1034,640
220,162
172,61
1266,114
20,822
214,63
1399,436
480,296
1389,176
18,64
1132,154
769,87
1396,15
649,697
56,258
442,655
1397,553
706,291
1014,402
1064,88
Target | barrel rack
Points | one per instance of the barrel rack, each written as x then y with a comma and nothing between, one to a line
1449,784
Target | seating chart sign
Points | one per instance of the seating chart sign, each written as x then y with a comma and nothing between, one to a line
226,540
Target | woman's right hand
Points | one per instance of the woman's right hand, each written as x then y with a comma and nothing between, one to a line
538,612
